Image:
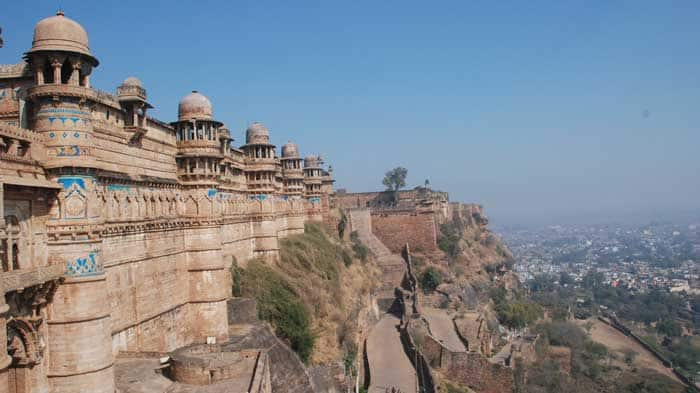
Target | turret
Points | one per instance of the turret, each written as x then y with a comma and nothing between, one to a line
199,142
292,172
61,63
261,164
132,97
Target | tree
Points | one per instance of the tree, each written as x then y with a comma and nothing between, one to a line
430,279
395,179
669,327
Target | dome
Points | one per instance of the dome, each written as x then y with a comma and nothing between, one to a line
312,162
194,105
60,33
257,133
290,150
132,81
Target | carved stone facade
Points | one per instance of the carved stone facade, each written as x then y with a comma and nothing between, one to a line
117,230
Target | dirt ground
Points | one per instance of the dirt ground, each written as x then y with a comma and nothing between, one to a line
618,342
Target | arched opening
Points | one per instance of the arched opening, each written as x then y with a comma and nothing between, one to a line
48,72
66,71
5,256
24,356
15,257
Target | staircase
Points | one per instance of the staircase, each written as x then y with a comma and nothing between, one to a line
393,266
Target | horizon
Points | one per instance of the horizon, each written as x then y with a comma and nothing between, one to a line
540,112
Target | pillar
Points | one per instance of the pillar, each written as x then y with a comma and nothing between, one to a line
56,65
75,74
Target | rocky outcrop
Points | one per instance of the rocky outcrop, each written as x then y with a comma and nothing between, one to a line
287,371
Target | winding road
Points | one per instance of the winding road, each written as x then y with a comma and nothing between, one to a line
442,328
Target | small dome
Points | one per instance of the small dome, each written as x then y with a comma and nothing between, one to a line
290,150
194,105
132,81
59,33
257,133
312,162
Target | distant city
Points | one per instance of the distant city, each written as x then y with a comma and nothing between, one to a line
637,257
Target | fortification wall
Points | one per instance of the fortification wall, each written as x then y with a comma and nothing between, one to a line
397,228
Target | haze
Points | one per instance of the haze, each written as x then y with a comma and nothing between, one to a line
540,111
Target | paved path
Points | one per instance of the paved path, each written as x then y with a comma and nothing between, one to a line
389,366
442,328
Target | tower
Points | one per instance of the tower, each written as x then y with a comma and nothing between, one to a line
61,105
199,150
292,172
261,165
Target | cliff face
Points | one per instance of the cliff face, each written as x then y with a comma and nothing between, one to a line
466,239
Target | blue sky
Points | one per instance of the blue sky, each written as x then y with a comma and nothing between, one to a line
543,111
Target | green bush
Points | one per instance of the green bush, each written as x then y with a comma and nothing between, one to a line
669,327
448,242
430,279
342,224
347,259
280,305
360,250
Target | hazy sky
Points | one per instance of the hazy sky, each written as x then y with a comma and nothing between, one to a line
541,111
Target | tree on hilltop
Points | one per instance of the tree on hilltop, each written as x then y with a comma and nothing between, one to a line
394,180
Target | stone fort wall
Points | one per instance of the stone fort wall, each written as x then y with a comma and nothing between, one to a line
400,227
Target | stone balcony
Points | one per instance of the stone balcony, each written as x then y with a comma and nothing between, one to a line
200,147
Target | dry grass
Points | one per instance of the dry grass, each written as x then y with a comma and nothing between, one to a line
617,342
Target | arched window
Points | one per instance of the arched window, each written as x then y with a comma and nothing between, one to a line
66,71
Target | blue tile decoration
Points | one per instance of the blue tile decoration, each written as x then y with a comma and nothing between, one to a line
211,193
63,110
89,265
118,187
51,119
52,134
65,134
315,200
68,181
63,119
260,197
68,151
76,134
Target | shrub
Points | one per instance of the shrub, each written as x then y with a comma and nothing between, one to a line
430,279
349,360
342,224
669,327
280,305
360,250
448,242
347,259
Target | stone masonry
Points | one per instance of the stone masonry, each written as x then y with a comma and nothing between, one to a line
117,230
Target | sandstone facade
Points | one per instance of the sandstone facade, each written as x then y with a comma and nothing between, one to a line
117,230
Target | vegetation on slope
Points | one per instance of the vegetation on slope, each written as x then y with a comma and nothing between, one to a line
312,295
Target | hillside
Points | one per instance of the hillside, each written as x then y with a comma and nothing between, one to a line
316,295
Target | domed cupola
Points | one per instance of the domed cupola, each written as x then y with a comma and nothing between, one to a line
257,133
60,33
290,150
292,175
194,106
312,161
60,52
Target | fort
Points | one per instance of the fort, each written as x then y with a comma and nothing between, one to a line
118,230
